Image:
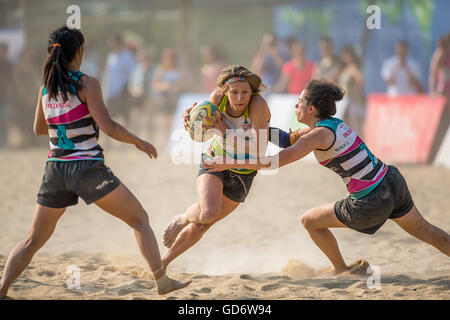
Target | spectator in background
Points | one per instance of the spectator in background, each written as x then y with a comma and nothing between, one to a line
330,65
139,88
267,62
119,64
297,72
401,73
168,83
351,80
5,94
439,77
90,64
212,66
27,77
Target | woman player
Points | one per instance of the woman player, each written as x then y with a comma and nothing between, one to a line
377,191
71,111
244,114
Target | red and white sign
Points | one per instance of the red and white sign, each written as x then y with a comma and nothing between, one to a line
402,129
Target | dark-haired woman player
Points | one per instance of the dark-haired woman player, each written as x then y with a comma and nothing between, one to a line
71,111
377,191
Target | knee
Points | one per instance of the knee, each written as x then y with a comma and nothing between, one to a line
208,215
33,242
307,220
139,221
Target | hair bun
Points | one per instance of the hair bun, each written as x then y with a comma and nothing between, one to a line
338,93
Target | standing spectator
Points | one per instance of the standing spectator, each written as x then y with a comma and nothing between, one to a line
119,63
168,83
139,88
330,65
5,94
351,80
26,78
297,72
212,66
401,73
267,62
90,65
439,77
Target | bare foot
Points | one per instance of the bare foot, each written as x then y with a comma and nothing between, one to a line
166,285
358,267
170,234
330,272
3,294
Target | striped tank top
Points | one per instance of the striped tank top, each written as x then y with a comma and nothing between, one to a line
72,130
350,158
240,125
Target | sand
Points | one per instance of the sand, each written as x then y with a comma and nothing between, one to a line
261,251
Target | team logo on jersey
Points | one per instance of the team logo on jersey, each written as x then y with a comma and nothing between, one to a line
245,126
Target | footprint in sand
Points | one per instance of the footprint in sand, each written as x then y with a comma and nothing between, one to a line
270,287
204,290
46,273
247,277
248,288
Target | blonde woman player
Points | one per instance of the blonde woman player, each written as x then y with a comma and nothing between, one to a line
242,110
71,111
377,191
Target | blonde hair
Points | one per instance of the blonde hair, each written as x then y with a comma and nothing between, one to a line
229,72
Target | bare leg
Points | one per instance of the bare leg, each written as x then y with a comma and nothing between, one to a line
414,223
209,189
122,204
42,227
198,220
317,221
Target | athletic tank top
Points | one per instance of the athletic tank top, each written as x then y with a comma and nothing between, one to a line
350,158
72,130
240,124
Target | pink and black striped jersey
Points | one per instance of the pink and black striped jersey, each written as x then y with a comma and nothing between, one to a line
72,130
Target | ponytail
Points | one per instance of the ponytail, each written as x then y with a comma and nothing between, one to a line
62,47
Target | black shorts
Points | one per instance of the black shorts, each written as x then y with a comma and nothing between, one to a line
64,181
235,186
389,200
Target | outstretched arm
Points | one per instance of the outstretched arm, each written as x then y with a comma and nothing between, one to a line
285,139
92,94
318,138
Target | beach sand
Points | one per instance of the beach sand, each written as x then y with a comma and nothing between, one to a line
260,251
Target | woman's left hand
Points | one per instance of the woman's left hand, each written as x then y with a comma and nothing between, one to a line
216,164
148,148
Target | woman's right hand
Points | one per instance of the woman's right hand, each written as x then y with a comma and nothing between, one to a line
186,116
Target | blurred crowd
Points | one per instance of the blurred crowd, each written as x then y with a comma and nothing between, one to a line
143,92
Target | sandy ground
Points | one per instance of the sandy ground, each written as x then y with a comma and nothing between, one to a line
261,251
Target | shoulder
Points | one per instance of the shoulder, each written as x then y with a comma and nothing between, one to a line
257,102
323,137
91,86
216,96
90,82
258,106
